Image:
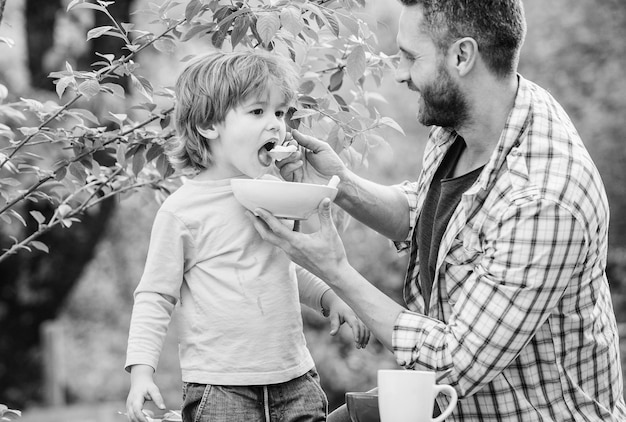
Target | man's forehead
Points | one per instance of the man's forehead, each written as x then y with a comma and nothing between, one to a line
410,36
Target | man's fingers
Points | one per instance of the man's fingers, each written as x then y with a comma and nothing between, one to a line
289,169
308,142
325,215
335,323
269,227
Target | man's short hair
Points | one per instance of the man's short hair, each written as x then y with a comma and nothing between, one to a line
212,85
498,26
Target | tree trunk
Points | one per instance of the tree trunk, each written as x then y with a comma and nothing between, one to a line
40,19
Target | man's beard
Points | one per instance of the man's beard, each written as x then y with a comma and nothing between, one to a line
443,103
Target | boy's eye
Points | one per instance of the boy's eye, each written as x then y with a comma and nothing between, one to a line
280,113
257,111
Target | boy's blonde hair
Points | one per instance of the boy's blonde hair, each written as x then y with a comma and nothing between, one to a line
214,84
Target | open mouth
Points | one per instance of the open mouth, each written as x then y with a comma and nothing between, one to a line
264,157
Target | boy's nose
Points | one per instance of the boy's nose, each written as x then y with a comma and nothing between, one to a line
274,122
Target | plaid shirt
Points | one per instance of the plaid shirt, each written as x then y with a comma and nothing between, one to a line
520,313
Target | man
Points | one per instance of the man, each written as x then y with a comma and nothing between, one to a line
507,224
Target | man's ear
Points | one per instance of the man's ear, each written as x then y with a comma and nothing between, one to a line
464,53
209,133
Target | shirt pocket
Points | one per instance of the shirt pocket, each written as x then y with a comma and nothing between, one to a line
460,262
465,249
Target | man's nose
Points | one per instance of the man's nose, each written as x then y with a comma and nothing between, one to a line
402,73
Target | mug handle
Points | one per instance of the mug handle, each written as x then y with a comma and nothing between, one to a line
449,391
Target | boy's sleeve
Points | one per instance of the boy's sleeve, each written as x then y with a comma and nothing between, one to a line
170,252
150,319
311,288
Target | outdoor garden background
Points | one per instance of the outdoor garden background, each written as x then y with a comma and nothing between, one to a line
66,295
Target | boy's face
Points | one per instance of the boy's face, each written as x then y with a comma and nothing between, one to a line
247,133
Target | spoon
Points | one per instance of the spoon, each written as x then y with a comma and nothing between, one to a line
334,182
280,152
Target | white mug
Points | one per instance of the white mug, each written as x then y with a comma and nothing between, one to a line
409,396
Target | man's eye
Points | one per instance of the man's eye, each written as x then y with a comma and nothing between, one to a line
407,57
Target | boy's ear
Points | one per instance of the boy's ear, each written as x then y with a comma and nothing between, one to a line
209,133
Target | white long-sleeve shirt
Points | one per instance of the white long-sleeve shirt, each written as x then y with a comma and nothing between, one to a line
237,295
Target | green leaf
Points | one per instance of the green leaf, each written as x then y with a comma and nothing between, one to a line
267,25
356,63
18,217
291,20
85,114
218,37
165,45
60,173
64,210
28,131
120,154
350,23
82,4
39,217
193,8
119,118
388,121
41,246
9,181
99,31
114,89
299,114
306,87
240,27
63,83
198,29
89,88
153,152
342,103
32,105
164,167
139,160
332,23
307,100
78,171
336,80
142,85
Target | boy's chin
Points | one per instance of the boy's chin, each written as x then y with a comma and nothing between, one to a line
270,172
259,173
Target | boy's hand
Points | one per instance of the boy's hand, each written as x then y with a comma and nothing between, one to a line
142,388
340,312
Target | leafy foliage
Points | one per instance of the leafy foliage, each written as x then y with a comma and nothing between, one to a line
64,154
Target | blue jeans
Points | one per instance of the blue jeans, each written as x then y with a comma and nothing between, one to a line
299,400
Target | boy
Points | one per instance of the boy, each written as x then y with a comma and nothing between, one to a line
242,350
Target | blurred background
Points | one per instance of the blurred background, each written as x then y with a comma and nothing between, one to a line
62,345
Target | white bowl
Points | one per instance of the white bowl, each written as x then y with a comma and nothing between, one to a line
295,201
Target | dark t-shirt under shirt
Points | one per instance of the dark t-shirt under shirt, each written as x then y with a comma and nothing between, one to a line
441,200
